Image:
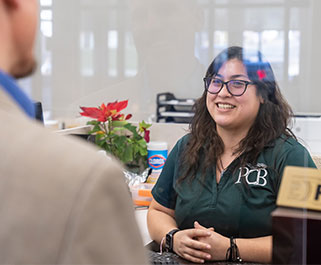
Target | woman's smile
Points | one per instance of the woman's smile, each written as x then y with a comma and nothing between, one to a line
225,106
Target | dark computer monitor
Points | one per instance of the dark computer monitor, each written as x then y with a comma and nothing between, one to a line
38,111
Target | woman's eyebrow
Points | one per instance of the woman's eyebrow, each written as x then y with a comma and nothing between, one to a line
239,75
233,76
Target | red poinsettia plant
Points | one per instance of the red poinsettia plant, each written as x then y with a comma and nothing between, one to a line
114,134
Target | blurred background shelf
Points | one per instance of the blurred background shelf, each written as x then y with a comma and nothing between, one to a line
172,109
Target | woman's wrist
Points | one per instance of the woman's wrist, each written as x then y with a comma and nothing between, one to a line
169,240
224,248
232,253
219,247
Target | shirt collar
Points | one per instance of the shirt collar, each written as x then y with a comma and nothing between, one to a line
10,86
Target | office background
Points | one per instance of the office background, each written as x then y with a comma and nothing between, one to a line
94,51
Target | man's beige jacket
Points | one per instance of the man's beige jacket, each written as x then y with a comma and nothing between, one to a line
60,201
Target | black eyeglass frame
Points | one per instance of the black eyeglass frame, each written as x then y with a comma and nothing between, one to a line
207,80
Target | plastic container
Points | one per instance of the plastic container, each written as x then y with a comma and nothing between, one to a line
142,194
156,158
153,177
157,155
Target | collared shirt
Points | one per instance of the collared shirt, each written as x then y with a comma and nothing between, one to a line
10,86
240,205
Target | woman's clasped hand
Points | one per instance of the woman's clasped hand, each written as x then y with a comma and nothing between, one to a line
188,244
196,244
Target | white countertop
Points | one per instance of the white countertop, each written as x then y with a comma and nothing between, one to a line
141,218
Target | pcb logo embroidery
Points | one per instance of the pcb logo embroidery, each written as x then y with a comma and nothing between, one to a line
253,175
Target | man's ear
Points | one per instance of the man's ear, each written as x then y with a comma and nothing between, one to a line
11,3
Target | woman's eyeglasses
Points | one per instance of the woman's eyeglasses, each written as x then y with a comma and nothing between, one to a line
234,87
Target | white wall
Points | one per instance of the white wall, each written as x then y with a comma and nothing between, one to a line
104,50
307,130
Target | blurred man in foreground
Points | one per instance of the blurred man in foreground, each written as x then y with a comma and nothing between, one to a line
60,202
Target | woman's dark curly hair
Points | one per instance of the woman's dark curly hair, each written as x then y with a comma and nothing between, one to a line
271,122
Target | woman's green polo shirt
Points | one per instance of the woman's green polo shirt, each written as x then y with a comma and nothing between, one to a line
240,205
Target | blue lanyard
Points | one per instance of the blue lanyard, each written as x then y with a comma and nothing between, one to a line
11,87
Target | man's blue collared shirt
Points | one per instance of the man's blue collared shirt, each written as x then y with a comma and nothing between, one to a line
10,86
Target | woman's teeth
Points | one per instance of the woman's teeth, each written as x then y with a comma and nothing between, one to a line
225,106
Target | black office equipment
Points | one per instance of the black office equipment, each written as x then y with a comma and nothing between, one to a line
38,111
172,109
164,258
155,257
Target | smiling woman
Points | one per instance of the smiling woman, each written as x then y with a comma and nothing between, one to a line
232,108
220,182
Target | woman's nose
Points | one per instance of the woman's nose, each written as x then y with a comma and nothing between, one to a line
224,91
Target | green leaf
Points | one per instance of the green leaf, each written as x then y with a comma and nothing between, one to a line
118,129
118,123
142,143
120,141
143,152
128,154
131,128
100,137
143,125
95,128
93,122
